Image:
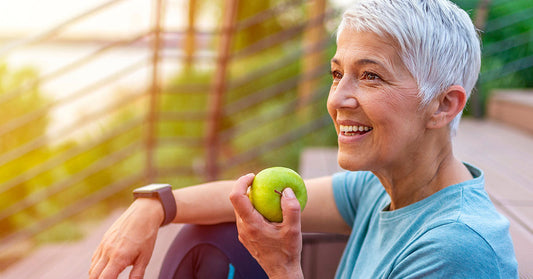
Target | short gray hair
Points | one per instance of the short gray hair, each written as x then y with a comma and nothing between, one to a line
437,41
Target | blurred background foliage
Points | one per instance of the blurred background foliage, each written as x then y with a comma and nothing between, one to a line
507,46
55,191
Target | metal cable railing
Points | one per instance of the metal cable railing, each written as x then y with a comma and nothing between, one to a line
509,68
62,158
33,116
267,14
45,193
279,141
74,96
286,109
47,34
507,44
283,36
123,137
71,210
508,20
507,38
7,96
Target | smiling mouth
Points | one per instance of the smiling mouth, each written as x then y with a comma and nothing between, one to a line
354,130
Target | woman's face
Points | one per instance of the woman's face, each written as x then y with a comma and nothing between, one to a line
374,104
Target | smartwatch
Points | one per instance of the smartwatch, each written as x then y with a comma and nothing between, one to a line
164,193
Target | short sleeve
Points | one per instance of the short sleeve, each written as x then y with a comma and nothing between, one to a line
448,251
348,189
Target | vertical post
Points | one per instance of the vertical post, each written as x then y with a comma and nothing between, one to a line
190,38
218,88
480,21
151,131
313,37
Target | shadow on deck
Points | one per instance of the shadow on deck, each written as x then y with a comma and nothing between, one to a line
504,154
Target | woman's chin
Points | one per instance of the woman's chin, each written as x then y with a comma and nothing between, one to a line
349,162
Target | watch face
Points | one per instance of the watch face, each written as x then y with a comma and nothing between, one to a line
151,188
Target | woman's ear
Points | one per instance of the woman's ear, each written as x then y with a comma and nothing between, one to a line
450,103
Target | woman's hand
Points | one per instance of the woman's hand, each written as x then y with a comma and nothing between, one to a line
277,247
129,241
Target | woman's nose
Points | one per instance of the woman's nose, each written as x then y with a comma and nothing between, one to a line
343,96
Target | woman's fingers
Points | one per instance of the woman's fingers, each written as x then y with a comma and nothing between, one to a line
137,272
111,271
95,260
129,241
97,266
239,198
290,208
245,211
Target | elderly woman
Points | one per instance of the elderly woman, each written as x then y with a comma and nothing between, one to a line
402,74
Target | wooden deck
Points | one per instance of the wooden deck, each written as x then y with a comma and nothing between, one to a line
505,154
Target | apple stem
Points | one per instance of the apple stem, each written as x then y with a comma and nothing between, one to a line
278,192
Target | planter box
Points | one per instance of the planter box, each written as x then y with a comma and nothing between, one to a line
512,107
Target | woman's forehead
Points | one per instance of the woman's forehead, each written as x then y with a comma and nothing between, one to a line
365,48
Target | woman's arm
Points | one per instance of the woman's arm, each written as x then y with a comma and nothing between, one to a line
205,204
131,239
321,213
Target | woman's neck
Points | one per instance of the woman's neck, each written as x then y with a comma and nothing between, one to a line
423,175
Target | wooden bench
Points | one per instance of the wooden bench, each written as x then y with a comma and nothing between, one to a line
512,107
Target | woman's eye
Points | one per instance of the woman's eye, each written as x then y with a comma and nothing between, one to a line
370,76
336,75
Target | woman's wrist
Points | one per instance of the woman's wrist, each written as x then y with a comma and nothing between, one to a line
288,271
152,206
296,273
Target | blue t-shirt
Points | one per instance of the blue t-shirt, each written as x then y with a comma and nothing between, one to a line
454,233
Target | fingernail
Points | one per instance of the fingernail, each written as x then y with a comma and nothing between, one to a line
249,175
288,193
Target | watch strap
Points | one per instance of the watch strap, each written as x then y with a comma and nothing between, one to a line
168,202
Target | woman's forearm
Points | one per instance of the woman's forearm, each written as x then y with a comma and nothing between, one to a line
204,204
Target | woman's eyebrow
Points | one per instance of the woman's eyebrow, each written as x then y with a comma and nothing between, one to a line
367,62
361,62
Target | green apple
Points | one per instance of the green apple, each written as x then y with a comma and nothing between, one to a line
267,187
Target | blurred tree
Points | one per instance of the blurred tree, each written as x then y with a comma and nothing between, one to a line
508,44
14,136
507,47
40,180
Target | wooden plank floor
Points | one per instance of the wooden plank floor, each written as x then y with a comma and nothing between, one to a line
72,260
505,154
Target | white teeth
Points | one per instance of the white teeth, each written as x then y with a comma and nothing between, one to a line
344,128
